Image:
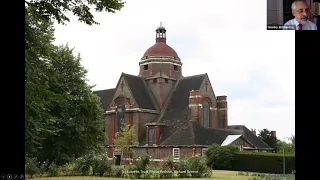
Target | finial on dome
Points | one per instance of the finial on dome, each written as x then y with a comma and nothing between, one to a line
161,34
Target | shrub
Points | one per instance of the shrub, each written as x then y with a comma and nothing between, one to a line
169,165
68,169
263,162
198,167
152,173
101,165
220,157
31,167
53,170
82,166
43,168
117,171
183,167
140,165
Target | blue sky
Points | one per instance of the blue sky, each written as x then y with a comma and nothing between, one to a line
226,39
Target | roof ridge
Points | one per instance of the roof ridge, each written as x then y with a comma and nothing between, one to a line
185,77
166,104
130,75
256,136
151,95
103,89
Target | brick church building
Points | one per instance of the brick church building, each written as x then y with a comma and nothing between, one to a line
173,114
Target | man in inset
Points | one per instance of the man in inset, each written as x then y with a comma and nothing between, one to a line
300,11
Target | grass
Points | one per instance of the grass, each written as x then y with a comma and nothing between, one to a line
217,175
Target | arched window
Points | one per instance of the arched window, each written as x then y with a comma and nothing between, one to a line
120,114
206,114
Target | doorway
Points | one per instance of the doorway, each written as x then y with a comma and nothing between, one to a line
118,160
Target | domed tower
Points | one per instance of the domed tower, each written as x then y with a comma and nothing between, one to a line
161,67
160,58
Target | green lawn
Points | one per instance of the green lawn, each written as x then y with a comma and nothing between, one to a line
217,175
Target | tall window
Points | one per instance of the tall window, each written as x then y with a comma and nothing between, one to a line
206,114
151,136
120,114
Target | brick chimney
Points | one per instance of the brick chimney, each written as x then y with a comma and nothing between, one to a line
194,105
223,110
274,134
254,131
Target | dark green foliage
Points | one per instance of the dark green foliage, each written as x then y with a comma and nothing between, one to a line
117,171
57,10
43,168
63,116
68,169
140,165
169,165
284,146
102,165
263,162
82,166
53,170
183,167
220,157
198,167
266,136
31,167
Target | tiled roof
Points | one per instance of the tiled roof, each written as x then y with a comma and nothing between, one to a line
253,139
175,111
141,93
160,49
105,97
209,136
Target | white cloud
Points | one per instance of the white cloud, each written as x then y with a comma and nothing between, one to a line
226,39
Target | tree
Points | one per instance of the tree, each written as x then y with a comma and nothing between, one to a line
39,121
287,147
77,112
63,117
267,137
293,140
125,139
49,10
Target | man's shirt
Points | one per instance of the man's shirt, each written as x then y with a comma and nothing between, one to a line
308,26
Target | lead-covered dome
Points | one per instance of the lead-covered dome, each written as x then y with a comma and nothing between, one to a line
160,48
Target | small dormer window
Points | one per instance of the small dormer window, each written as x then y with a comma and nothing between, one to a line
154,80
175,67
145,67
166,81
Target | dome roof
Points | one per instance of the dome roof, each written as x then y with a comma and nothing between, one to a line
160,49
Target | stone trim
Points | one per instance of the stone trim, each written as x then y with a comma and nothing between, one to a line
195,105
164,62
199,96
134,110
160,58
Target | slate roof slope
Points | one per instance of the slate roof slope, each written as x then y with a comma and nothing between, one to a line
206,136
106,96
176,110
140,92
253,139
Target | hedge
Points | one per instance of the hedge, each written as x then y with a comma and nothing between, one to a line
263,162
